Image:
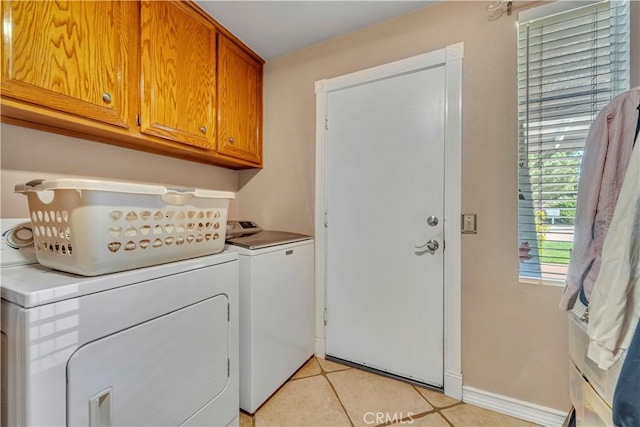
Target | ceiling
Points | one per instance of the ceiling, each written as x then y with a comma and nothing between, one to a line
274,28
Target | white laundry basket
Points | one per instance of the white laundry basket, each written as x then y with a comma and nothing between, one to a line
93,227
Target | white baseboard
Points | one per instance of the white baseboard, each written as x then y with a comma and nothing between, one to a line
320,348
453,384
527,411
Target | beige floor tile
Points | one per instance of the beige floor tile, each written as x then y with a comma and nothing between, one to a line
362,392
431,420
438,400
308,369
329,366
305,402
470,415
245,420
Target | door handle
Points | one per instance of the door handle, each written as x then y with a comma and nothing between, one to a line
100,409
432,245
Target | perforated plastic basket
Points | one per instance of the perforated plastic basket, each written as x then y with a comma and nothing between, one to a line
93,227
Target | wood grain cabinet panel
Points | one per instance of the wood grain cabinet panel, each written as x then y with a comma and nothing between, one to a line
239,103
155,75
69,56
178,74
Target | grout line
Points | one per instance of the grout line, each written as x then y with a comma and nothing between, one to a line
434,410
383,373
321,373
325,374
326,377
322,370
343,368
452,406
444,417
422,395
447,419
456,403
303,378
277,390
409,419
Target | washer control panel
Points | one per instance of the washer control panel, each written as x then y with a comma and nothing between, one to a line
16,242
241,228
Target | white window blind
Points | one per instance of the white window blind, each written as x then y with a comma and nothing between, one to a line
570,64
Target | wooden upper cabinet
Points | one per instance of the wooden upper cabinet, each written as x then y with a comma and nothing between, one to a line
178,74
239,103
155,75
69,56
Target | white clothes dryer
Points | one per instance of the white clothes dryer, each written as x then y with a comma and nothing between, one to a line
153,346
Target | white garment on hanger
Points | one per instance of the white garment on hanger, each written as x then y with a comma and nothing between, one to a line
604,163
614,308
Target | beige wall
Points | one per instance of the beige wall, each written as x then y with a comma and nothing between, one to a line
514,336
28,154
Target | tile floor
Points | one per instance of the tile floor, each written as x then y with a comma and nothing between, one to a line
324,393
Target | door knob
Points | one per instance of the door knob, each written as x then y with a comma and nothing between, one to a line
203,129
432,221
232,140
106,97
431,245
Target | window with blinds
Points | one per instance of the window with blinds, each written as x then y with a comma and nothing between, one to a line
570,64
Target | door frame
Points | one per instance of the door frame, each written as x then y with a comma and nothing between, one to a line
451,58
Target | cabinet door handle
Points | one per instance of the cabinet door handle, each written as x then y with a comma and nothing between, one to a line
203,129
231,140
106,97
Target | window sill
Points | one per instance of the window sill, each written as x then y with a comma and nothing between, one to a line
544,282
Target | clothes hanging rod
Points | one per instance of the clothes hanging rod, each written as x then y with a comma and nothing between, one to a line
499,7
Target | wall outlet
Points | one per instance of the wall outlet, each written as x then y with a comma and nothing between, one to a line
469,223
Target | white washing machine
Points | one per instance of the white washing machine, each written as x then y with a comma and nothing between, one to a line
153,346
276,307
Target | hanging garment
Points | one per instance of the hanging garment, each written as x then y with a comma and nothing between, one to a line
604,163
635,138
626,398
615,302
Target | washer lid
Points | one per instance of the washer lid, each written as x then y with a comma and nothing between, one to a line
264,239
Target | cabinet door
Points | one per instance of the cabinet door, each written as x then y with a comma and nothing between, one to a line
68,56
178,74
239,103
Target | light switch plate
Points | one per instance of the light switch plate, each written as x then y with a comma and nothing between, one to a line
469,223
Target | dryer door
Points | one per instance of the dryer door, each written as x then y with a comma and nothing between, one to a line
157,373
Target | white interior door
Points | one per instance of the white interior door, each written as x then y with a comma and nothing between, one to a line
385,178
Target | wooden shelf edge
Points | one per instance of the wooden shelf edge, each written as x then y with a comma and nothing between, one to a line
34,117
